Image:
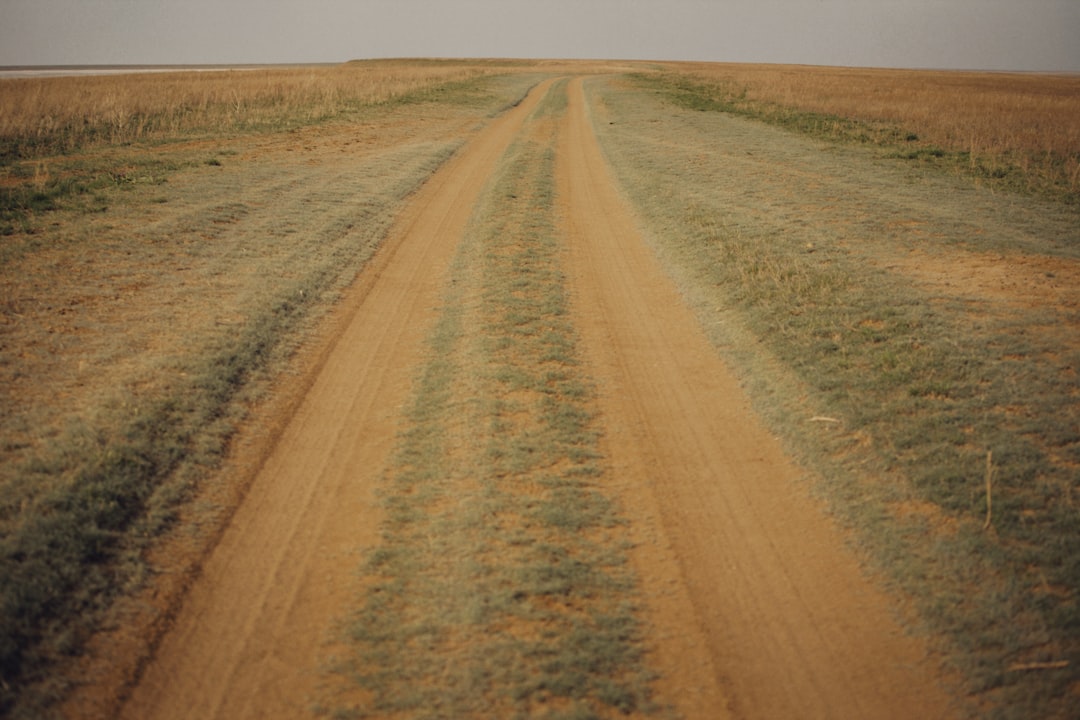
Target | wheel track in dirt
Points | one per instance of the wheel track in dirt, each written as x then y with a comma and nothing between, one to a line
756,607
790,626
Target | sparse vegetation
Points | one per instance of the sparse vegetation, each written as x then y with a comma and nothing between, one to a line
65,137
109,423
1015,131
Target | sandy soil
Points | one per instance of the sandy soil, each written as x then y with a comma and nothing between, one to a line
755,605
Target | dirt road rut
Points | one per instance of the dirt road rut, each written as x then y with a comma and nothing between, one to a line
791,627
755,606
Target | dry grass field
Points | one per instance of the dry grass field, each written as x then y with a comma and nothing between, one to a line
48,125
995,123
57,114
888,260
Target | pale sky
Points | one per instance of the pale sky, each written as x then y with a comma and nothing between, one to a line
974,34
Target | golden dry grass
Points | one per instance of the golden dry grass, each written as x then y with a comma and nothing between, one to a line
42,116
58,113
1032,120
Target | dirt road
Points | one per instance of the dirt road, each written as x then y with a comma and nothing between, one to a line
755,608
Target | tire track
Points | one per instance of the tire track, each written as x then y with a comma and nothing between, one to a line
250,637
782,622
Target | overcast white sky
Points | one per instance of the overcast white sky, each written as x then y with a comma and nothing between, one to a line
978,34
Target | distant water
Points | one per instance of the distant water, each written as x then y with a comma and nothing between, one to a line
80,70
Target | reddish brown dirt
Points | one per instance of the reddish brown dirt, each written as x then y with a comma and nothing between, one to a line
760,609
755,605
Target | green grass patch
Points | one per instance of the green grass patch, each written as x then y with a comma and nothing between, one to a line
78,184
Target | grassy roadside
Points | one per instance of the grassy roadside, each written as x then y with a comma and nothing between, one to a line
49,116
61,145
87,491
501,587
893,393
1007,159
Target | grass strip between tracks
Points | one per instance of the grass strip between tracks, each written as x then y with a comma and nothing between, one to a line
501,587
